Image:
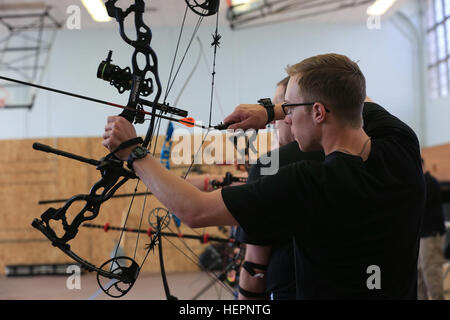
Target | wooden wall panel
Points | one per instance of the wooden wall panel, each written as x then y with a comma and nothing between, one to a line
437,161
27,176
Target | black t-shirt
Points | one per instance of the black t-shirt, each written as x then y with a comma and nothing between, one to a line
433,220
348,217
280,275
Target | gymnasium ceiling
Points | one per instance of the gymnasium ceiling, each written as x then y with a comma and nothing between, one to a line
170,12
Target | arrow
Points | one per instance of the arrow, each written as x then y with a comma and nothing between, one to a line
188,122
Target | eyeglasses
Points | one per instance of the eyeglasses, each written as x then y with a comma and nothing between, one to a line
287,106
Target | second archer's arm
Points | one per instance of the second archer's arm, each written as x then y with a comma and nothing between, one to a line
256,286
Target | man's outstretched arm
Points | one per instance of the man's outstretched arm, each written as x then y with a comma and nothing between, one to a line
251,116
192,206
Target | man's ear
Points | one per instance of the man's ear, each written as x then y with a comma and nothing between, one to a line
318,112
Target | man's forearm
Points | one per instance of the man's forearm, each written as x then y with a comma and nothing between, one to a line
279,113
193,207
260,255
252,116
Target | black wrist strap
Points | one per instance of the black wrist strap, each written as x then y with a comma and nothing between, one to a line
268,105
270,114
128,143
250,268
255,295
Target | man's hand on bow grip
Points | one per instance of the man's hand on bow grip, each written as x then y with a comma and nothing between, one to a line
247,116
117,131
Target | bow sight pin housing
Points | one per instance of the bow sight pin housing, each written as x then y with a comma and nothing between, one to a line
121,79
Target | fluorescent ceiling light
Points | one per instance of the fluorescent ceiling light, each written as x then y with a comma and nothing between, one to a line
240,2
243,6
97,10
380,7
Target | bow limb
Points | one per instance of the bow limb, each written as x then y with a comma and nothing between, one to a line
161,265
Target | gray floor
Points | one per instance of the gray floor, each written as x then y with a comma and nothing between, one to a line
148,287
184,286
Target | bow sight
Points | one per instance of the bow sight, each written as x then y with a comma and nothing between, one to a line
121,79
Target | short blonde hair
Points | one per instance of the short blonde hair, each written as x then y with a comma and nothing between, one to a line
334,80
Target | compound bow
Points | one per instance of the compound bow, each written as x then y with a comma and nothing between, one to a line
122,271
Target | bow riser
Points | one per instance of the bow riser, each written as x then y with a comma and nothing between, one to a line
111,168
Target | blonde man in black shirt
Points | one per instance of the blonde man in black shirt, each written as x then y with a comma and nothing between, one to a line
355,216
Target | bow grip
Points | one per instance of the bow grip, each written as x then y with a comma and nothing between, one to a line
128,114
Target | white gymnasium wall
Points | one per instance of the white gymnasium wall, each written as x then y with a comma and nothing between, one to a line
249,63
437,111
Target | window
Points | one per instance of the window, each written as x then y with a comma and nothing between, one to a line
438,44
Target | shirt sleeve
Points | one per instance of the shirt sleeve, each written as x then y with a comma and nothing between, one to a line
243,237
397,138
379,123
264,208
254,175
